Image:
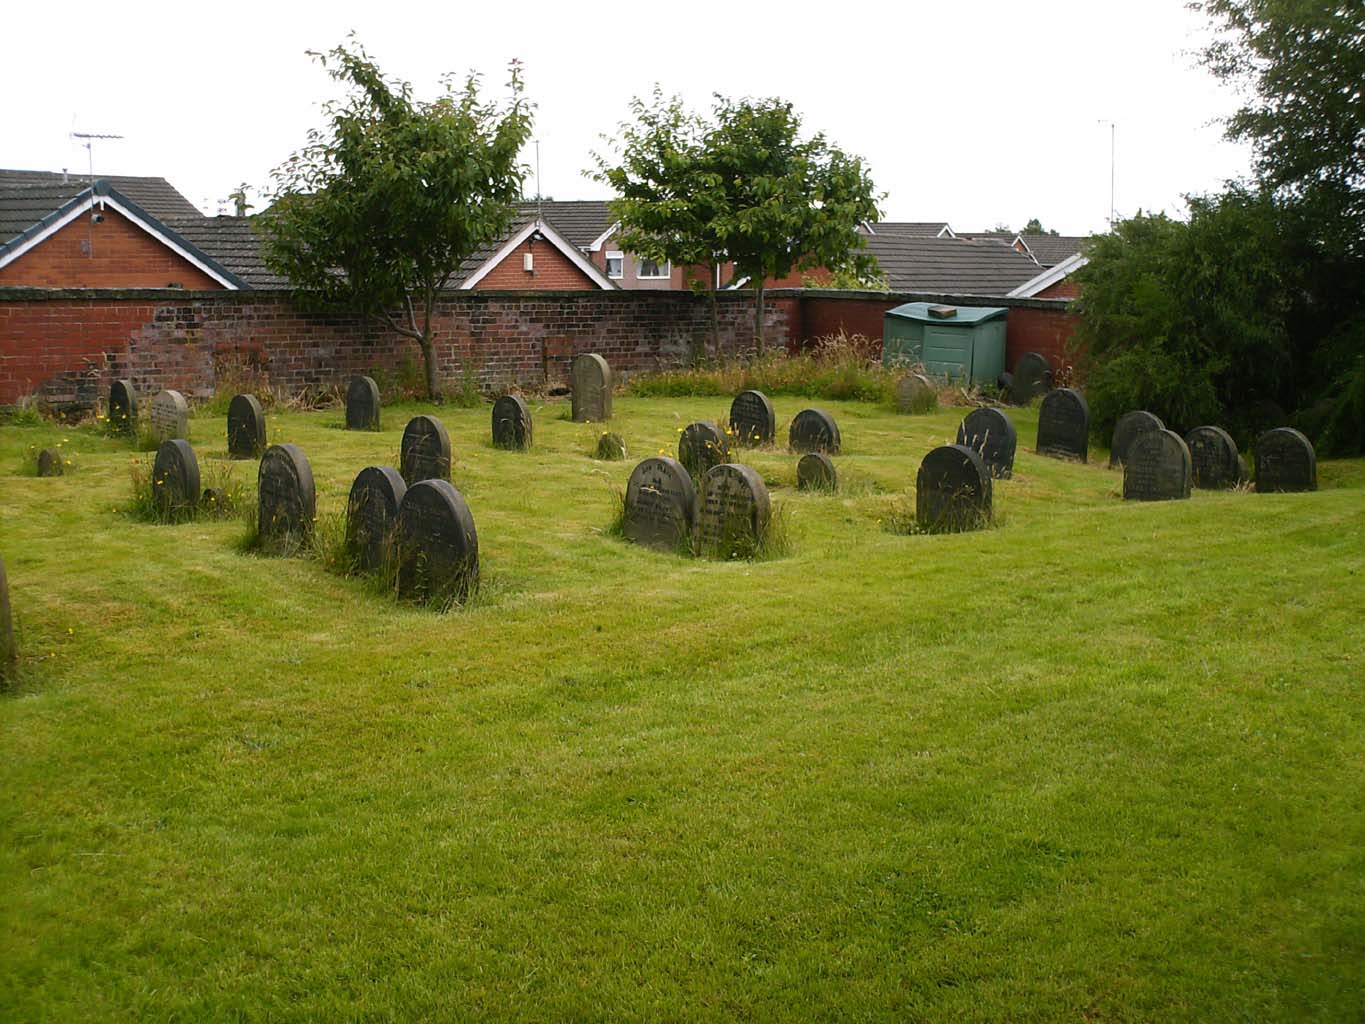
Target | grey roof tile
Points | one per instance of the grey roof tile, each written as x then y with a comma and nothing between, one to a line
950,265
1049,250
155,195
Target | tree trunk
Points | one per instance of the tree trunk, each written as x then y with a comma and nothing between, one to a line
429,358
758,315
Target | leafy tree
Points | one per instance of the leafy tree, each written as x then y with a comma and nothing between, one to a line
377,212
1035,227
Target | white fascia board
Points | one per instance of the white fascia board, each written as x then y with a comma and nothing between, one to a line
554,238
46,233
945,232
1048,277
601,239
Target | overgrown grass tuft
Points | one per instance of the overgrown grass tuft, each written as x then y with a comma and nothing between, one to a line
610,447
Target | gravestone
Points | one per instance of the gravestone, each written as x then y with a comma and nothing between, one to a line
952,491
512,426
814,430
1214,460
701,445
815,472
590,379
424,453
9,651
50,462
1130,427
170,416
246,427
1064,425
914,394
1285,462
371,511
287,499
122,407
362,404
611,447
1156,467
991,434
175,477
733,512
752,418
661,504
1032,377
436,543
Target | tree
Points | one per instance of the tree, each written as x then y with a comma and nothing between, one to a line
1035,227
377,212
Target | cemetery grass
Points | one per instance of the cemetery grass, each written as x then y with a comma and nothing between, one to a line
1101,762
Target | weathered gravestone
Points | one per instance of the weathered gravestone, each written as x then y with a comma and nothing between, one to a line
175,477
610,446
371,512
991,434
814,430
590,379
752,418
1129,428
9,651
50,462
424,453
436,544
734,509
170,416
952,491
1032,377
1064,425
246,427
1285,461
1156,467
512,426
914,394
815,472
362,404
661,504
1214,461
701,445
122,407
287,498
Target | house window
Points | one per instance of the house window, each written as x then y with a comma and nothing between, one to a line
616,265
652,268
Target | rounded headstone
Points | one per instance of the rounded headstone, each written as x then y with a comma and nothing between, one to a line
590,381
1285,461
362,404
915,394
170,416
752,418
424,453
1156,467
610,446
122,407
701,445
733,511
661,504
512,427
246,427
814,430
1214,460
371,511
1130,427
952,491
286,496
50,462
1032,377
1064,425
175,476
9,652
815,472
991,434
436,544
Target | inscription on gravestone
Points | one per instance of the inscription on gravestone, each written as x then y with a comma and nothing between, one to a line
1214,461
701,445
1064,425
814,430
122,407
512,427
286,496
1285,461
733,514
991,434
424,453
590,379
436,543
914,394
1032,377
175,477
661,504
170,416
371,512
362,404
1129,428
752,418
952,491
815,472
1156,467
9,652
246,427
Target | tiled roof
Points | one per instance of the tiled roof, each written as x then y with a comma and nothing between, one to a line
950,265
910,228
155,195
581,222
1049,250
233,242
22,206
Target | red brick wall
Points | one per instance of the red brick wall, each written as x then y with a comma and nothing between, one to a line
1066,288
1044,331
115,253
553,271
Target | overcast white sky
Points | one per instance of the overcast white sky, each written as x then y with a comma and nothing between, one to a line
976,112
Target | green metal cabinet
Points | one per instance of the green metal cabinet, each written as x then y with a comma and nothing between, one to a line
961,343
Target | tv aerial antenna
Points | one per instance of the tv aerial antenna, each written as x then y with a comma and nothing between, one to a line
88,141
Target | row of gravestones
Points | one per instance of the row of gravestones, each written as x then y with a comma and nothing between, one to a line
513,427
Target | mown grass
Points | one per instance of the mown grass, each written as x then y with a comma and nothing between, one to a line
1100,762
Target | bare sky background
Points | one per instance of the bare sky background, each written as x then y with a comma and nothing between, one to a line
977,112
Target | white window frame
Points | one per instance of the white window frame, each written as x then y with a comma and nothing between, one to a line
621,271
665,270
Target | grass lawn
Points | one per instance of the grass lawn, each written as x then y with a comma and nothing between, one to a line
1103,762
